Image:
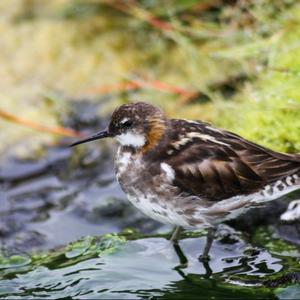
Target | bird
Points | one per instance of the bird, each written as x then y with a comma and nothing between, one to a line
191,174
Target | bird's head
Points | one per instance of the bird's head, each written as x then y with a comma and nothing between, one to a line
136,125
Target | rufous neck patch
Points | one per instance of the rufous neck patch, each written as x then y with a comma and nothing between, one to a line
157,129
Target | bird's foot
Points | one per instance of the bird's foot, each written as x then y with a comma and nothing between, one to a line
204,258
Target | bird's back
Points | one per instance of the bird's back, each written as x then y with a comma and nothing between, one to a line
216,164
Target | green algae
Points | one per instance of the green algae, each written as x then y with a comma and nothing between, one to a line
14,261
79,248
86,248
150,266
267,238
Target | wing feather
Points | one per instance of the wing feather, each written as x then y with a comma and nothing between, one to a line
225,165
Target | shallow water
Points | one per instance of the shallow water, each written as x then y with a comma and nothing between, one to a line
52,201
151,267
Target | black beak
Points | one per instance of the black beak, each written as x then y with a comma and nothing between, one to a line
100,135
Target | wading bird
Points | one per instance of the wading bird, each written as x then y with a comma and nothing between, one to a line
191,174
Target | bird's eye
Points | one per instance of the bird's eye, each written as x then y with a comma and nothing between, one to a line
127,124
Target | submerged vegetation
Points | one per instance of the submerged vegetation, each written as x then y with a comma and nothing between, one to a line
65,64
100,267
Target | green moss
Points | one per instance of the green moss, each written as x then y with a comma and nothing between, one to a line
268,110
109,243
87,247
117,259
268,239
79,248
14,261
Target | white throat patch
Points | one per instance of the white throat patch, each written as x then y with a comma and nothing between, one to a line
131,139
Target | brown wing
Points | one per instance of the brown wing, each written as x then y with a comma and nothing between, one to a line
218,164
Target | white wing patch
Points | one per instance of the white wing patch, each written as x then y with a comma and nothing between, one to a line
169,171
192,122
207,126
188,137
204,137
181,142
214,129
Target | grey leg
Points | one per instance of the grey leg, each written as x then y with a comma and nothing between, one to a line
209,240
176,234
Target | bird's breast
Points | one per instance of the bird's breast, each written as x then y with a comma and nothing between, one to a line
136,176
148,186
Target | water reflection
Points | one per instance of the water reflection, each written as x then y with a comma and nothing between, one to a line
152,268
48,202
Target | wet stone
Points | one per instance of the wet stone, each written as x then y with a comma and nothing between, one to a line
289,232
93,157
227,235
82,115
27,240
16,170
141,222
110,207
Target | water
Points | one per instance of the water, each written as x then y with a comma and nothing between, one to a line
151,268
52,201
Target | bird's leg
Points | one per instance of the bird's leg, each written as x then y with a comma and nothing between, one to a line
182,258
176,234
209,240
208,270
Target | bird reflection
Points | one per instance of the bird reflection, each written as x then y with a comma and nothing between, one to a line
183,263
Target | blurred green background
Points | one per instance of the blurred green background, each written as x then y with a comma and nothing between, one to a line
233,63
